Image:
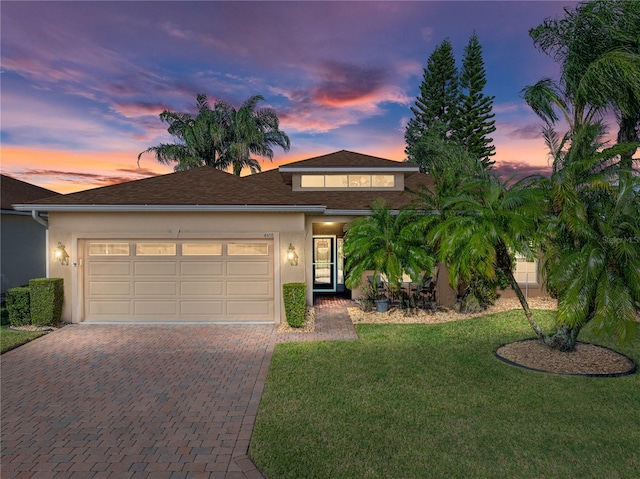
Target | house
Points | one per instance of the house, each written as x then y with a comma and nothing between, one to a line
205,245
23,240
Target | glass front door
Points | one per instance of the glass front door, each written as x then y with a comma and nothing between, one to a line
324,270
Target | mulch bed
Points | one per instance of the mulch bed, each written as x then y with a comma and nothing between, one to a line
586,360
32,328
309,325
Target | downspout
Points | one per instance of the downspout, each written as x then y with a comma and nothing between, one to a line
45,223
42,221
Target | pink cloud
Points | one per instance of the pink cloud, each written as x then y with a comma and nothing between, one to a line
507,169
345,95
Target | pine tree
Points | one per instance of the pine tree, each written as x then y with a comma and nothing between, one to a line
475,121
438,99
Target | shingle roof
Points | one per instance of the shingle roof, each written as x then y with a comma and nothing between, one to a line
207,186
344,158
199,186
340,200
13,191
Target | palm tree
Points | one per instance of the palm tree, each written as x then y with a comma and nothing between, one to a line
485,224
597,44
592,253
251,131
221,137
387,243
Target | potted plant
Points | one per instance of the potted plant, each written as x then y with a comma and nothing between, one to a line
381,300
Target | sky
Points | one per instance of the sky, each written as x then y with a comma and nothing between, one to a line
83,83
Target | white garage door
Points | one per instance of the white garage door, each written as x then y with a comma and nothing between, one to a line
186,280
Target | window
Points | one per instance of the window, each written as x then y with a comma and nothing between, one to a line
155,249
312,181
383,181
336,181
526,272
202,249
360,181
108,249
247,249
348,181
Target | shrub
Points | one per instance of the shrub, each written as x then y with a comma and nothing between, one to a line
295,303
366,301
17,301
46,295
4,315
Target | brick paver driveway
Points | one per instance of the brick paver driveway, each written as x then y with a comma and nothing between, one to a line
118,401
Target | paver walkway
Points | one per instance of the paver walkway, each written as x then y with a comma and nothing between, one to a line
142,401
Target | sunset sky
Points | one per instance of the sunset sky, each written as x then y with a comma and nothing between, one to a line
83,82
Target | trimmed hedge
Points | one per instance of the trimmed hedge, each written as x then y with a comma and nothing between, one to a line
46,295
295,303
17,302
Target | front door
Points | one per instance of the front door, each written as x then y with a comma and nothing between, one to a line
324,263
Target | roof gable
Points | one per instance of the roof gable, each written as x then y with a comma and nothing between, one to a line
344,159
13,191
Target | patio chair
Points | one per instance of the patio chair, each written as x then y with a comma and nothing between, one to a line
379,288
428,292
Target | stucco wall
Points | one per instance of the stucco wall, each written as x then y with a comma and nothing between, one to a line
72,228
23,250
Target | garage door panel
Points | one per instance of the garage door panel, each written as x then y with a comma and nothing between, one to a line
155,268
202,308
201,285
155,308
249,289
250,308
110,268
110,288
111,307
248,268
155,288
205,268
208,288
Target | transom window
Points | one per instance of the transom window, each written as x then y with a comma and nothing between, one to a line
248,249
108,249
155,249
347,181
202,249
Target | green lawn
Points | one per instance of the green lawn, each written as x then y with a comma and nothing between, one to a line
12,339
417,401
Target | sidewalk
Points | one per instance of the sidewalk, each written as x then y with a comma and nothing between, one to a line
332,322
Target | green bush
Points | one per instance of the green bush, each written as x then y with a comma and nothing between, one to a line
46,295
4,315
17,300
295,303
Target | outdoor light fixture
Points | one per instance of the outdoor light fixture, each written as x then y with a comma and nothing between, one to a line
61,254
292,256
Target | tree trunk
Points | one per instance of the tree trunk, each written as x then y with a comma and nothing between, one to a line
525,305
504,263
564,339
627,134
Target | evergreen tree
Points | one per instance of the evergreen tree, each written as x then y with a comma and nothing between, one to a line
439,96
475,121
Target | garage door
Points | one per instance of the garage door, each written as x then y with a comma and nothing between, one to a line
164,280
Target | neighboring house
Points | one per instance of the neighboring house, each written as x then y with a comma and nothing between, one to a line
205,245
23,240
